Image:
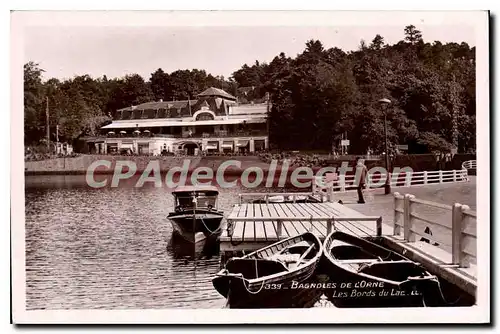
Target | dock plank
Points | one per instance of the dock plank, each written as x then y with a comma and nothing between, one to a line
358,228
269,226
320,225
299,227
239,226
259,228
274,213
288,227
306,224
249,234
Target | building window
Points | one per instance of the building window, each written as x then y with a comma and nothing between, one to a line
204,116
162,113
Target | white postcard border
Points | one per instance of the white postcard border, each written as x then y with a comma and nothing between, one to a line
479,313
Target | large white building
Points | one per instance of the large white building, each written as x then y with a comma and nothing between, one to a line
214,122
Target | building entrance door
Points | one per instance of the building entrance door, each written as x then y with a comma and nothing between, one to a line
190,148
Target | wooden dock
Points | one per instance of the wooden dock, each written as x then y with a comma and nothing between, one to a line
250,226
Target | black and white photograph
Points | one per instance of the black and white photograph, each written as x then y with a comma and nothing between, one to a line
243,166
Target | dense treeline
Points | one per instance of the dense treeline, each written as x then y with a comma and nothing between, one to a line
317,97
325,93
81,105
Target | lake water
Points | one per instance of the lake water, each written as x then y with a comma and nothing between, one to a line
112,248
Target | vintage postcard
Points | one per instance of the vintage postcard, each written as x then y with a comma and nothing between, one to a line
250,167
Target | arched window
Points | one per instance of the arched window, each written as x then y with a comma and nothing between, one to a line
204,116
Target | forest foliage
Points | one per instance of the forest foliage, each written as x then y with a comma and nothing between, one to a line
317,97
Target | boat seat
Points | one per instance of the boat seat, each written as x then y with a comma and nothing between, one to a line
286,258
354,261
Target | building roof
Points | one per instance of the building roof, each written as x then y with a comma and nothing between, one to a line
161,105
212,91
249,109
151,123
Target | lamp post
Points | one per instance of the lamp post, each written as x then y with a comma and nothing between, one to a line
385,103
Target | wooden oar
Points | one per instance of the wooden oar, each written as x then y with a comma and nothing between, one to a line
305,253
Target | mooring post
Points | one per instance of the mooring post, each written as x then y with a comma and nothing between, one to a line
278,228
464,258
397,228
457,216
330,224
407,217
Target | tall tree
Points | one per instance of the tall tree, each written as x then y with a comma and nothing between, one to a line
34,120
412,35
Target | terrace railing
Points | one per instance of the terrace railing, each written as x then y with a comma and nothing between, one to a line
469,164
453,227
343,182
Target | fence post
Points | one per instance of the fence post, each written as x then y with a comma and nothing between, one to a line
314,185
342,182
397,228
464,258
407,218
330,224
456,233
330,193
408,179
454,175
425,177
278,228
440,176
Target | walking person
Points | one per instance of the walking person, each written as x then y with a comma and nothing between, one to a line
361,173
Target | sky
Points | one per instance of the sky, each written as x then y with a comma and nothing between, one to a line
115,51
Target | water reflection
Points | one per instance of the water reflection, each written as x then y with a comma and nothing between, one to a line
111,249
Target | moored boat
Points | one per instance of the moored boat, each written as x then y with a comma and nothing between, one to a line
196,216
365,274
275,276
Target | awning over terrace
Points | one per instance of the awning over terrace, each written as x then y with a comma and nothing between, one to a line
160,123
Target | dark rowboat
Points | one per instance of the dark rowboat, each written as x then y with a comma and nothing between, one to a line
196,216
365,274
279,275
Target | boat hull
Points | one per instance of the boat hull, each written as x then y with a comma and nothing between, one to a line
296,293
395,281
196,226
347,289
254,282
